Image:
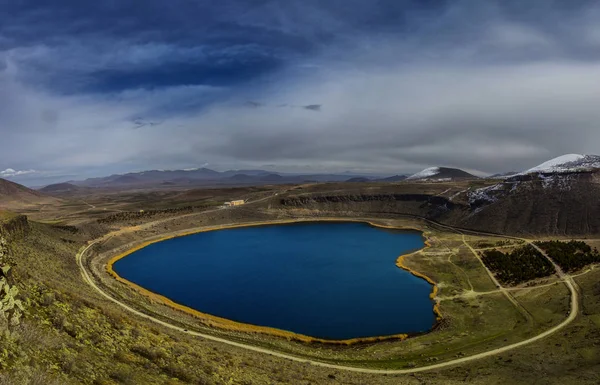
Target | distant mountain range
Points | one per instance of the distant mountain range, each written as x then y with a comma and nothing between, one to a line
573,177
205,177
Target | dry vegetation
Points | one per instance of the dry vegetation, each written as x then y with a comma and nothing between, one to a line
69,334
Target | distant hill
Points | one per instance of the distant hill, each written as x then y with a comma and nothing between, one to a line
10,189
441,174
246,172
59,188
241,178
272,178
358,180
395,178
14,196
126,179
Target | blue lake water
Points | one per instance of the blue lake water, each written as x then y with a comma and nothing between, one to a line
329,280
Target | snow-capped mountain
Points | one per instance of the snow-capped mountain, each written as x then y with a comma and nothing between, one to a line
556,196
566,164
440,174
424,174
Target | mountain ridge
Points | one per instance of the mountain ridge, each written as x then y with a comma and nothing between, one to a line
565,164
206,177
441,174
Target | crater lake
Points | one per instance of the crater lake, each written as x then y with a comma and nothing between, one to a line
331,280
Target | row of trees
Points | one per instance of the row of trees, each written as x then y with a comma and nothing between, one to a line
519,265
570,256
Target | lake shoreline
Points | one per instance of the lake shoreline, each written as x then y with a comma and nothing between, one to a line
230,325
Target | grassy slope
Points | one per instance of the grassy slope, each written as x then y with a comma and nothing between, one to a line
70,335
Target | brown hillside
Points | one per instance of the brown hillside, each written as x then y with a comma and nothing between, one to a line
558,205
551,205
14,196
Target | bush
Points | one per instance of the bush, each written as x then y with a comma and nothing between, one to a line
179,372
147,352
122,375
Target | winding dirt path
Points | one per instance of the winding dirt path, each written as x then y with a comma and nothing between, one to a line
472,293
571,317
528,317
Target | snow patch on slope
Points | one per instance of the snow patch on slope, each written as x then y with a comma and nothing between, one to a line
457,194
484,194
427,173
561,182
567,163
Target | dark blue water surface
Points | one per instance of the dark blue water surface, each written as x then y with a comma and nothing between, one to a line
328,280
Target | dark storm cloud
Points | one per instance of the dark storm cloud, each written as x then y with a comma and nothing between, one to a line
488,86
313,107
482,119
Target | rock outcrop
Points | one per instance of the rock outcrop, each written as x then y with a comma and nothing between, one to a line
566,204
15,226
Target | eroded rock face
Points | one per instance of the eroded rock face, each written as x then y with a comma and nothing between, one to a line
429,206
538,204
11,307
14,227
358,198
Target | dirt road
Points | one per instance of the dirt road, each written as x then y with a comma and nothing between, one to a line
571,317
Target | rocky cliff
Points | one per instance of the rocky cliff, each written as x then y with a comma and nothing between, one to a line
551,204
546,204
430,206
14,226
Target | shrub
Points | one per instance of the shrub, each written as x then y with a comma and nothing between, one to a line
179,372
147,352
122,375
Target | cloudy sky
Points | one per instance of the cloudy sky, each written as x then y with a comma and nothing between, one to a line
389,86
